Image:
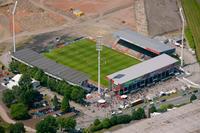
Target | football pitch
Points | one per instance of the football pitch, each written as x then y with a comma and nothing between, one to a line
82,56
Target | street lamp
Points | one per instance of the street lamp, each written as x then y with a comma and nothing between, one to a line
99,48
13,25
183,21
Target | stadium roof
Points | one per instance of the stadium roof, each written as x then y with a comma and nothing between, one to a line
142,41
35,59
142,69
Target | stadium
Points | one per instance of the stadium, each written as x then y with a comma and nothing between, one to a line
76,63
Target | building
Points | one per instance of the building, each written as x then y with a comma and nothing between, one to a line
142,44
144,74
15,80
51,68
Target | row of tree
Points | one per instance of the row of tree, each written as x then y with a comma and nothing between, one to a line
74,93
13,128
115,120
50,124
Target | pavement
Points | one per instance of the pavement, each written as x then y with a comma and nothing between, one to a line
185,119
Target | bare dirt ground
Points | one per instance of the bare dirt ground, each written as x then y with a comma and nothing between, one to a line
162,16
28,18
89,7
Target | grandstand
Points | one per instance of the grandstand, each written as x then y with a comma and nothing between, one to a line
141,46
51,68
143,74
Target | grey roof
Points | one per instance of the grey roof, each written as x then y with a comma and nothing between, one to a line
142,69
142,41
35,59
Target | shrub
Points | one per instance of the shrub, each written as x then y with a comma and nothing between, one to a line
113,120
106,123
193,97
94,128
97,122
163,108
138,114
153,109
123,119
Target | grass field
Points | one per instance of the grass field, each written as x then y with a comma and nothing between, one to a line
82,56
192,13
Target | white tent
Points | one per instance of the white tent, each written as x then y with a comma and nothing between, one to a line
101,101
124,96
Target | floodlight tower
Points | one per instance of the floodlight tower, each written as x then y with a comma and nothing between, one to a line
182,38
13,25
99,48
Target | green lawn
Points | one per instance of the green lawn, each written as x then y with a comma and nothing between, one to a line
189,37
192,13
82,56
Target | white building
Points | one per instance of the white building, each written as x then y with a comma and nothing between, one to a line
14,82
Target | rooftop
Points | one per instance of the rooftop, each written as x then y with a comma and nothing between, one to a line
142,41
35,59
142,69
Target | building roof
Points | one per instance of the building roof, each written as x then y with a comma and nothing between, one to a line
142,69
35,59
14,81
142,41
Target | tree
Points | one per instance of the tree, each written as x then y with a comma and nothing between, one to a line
55,102
38,75
193,97
13,66
48,125
67,123
106,123
8,97
17,128
28,96
25,81
44,80
19,111
51,84
22,68
2,130
77,94
67,90
65,106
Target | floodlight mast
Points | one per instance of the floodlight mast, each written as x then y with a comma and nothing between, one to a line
13,25
99,48
182,38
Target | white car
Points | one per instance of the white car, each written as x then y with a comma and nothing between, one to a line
119,112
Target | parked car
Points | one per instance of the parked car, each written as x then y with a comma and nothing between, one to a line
163,100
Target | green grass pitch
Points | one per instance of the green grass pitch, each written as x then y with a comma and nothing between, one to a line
192,13
82,56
